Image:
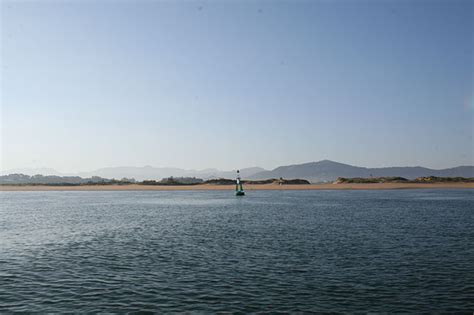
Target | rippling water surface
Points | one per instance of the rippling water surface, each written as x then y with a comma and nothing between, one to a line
341,251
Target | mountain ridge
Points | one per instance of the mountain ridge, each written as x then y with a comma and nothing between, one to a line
320,171
328,171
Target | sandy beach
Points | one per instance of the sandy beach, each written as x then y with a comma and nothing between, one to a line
246,187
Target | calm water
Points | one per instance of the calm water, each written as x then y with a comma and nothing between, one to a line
341,251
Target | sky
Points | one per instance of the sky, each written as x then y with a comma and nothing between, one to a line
232,84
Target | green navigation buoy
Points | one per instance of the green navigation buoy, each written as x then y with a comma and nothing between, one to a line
239,190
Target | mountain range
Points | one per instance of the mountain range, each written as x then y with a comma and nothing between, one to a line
325,171
139,173
322,171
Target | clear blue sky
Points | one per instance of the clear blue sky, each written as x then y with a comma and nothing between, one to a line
231,84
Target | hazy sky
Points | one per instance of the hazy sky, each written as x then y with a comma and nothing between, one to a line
231,84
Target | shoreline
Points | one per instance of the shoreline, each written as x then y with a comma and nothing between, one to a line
135,187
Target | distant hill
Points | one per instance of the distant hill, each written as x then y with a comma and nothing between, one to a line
22,179
139,173
32,171
156,173
328,171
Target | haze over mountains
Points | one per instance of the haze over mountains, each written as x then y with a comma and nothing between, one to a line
149,172
140,173
322,171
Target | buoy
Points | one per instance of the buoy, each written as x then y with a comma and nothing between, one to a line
239,190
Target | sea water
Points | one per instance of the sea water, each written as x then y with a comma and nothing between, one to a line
209,251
